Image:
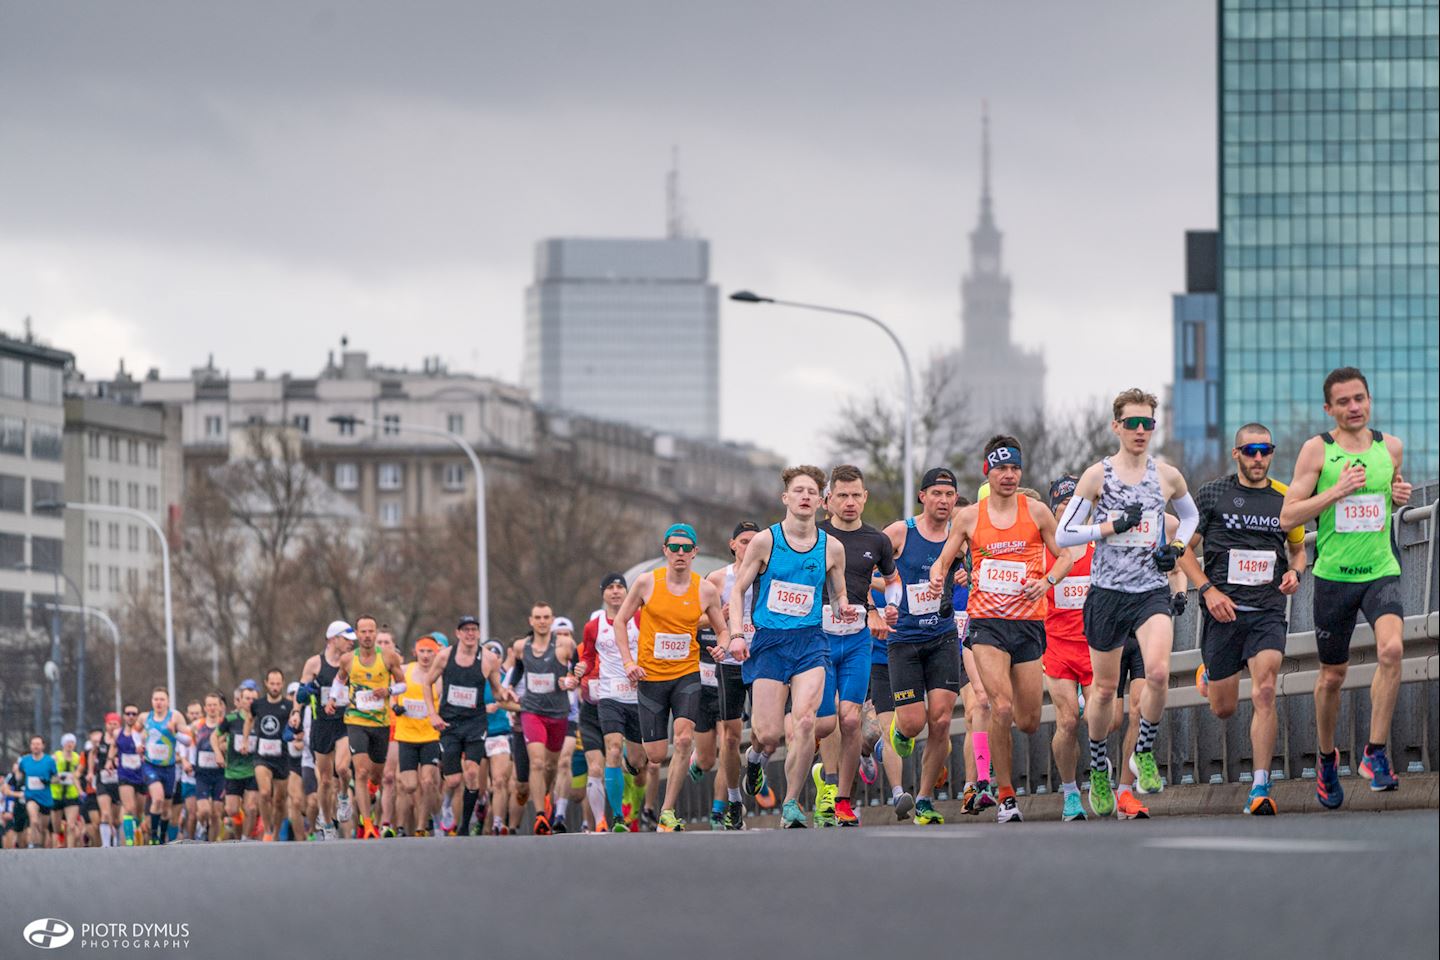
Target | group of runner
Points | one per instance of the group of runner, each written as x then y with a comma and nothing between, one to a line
830,635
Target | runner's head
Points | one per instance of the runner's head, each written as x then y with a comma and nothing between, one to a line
1061,491
214,706
745,531
562,625
385,639
94,738
425,651
1002,464
112,723
67,743
130,714
467,631
274,682
1254,452
846,495
612,590
339,636
541,618
1134,422
159,700
292,690
1347,398
193,711
802,486
367,628
680,544
37,745
937,493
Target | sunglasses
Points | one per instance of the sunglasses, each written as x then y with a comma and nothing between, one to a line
132,713
1137,423
680,547
1256,449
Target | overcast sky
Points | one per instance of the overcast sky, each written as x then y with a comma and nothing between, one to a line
254,180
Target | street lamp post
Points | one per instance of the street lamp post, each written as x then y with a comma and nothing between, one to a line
104,618
907,467
482,582
164,570
56,721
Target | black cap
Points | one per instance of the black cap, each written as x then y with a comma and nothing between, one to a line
1062,489
610,578
466,621
936,476
745,526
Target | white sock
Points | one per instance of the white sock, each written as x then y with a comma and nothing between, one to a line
105,835
895,792
1262,777
751,756
1122,788
1069,787
733,794
561,806
595,793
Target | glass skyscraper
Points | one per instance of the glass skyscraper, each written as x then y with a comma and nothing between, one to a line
1329,199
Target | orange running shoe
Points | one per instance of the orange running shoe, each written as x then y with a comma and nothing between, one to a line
1129,807
845,813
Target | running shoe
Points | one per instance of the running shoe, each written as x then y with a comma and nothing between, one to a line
697,772
987,794
649,820
824,797
541,827
754,780
869,770
1327,781
558,825
1147,772
1376,768
669,823
734,815
1260,804
387,831
943,779
1009,812
791,816
1127,805
1074,808
970,802
903,805
845,814
717,819
1102,798
619,826
342,807
765,799
904,746
1202,680
925,812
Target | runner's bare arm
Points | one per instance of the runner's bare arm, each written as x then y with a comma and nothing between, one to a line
745,574
635,598
955,545
1400,490
1065,559
835,577
710,603
311,668
1302,503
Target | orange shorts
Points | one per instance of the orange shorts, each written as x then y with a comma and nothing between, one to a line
1067,659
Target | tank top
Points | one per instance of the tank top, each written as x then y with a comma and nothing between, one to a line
1065,607
66,785
612,684
668,648
462,699
129,759
369,692
205,758
159,741
102,761
413,726
324,678
748,604
925,614
1005,557
787,593
497,724
1125,561
543,695
1352,538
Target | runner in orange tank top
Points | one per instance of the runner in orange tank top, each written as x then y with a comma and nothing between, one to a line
1007,533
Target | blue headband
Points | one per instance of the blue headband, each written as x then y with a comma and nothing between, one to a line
1002,457
680,530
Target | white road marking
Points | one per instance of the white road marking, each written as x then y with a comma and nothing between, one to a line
1260,845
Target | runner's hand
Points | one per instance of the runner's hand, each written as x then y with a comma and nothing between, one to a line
717,652
1400,491
739,648
1290,582
879,629
962,577
438,722
568,682
1220,606
850,612
329,708
1352,478
1033,590
1129,518
507,694
937,577
1178,603
634,672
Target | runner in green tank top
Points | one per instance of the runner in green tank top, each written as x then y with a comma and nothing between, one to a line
1348,480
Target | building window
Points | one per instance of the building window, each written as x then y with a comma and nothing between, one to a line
12,550
152,455
12,378
92,573
12,609
453,477
132,452
346,427
47,442
390,424
390,476
152,497
132,495
92,489
390,513
347,476
214,427
132,538
112,492
92,532
112,576
12,493
47,384
132,581
12,436
44,490
455,422
112,448
45,553
302,422
92,444
112,533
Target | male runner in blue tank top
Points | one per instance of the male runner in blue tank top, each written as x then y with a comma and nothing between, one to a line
788,563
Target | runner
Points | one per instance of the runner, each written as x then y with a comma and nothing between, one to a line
568,771
731,689
389,777
789,563
162,727
616,703
327,739
65,794
39,771
234,745
498,755
209,770
848,677
1008,534
14,818
664,664
189,806
417,744
129,759
1127,705
270,717
544,661
1129,592
1349,480
293,826
1251,566
107,781
372,677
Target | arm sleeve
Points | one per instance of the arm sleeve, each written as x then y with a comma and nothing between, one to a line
588,654
1073,531
1188,515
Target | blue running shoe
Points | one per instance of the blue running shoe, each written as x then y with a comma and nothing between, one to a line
791,816
1376,768
1260,804
1327,781
1074,808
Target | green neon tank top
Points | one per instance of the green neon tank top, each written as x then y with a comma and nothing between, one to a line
1352,543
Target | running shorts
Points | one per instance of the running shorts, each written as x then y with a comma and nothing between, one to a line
1132,666
1226,647
550,731
240,787
1337,606
1024,640
591,737
324,734
1112,615
847,674
659,700
210,783
521,755
415,755
880,694
462,738
373,742
784,654
112,790
916,668
1068,660
616,716
165,776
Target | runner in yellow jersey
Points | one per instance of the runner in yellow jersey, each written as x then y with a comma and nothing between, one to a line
418,744
372,676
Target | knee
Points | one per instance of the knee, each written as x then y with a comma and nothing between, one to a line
683,742
1331,679
804,726
1389,652
849,725
1224,710
1157,677
1028,721
1002,711
1262,695
1103,691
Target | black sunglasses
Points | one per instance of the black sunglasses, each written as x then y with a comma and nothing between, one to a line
1256,449
132,713
1135,423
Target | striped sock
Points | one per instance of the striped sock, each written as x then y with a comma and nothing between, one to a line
1098,754
1148,731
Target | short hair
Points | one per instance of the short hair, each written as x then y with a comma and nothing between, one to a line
805,470
274,670
366,616
962,502
845,473
217,695
194,703
235,694
1345,375
541,603
160,690
1030,493
1134,395
127,705
998,441
1251,427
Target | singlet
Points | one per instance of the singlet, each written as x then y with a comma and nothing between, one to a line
1005,557
159,741
1352,539
238,766
102,761
544,696
1125,561
925,614
268,725
668,649
1065,603
369,692
866,551
611,683
497,723
1245,553
129,760
324,679
462,687
747,621
787,592
66,785
205,758
414,726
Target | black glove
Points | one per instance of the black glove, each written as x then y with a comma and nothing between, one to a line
1166,556
1129,519
398,709
1177,605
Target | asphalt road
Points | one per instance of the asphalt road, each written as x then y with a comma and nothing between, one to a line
1301,885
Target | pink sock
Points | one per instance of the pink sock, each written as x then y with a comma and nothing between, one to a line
982,754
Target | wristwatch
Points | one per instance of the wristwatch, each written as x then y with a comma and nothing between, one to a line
1050,579
1205,586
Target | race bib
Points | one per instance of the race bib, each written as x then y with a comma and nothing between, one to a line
34,783
465,697
707,675
790,599
369,700
341,697
1005,577
1070,594
962,623
832,624
1143,534
615,689
1360,513
206,758
1251,567
540,682
415,709
67,779
922,599
109,776
497,746
157,751
130,761
270,748
672,646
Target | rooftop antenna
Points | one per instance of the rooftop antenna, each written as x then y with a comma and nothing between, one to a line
674,206
29,331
